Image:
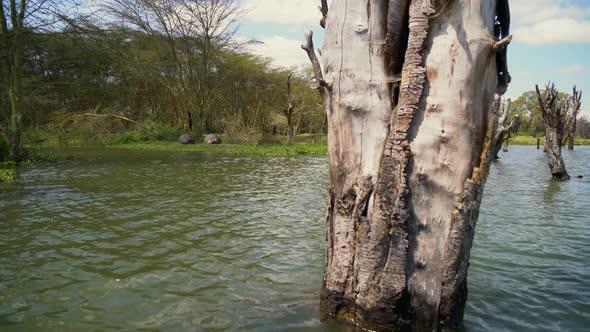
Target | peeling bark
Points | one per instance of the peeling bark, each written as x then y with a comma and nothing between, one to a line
410,142
554,111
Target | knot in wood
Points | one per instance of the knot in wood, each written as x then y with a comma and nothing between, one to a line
361,29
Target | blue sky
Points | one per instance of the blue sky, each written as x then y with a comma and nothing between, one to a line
551,39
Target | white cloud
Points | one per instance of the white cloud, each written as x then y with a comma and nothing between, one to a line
554,31
550,22
284,52
283,11
573,69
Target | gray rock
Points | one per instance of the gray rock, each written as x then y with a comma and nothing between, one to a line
212,139
186,139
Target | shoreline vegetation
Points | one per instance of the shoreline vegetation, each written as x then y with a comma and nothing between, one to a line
274,146
251,149
302,146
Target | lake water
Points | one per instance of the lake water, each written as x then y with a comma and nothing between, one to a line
129,240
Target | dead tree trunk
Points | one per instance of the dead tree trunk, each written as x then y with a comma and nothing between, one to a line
503,133
408,152
538,143
554,111
576,105
189,120
315,63
289,111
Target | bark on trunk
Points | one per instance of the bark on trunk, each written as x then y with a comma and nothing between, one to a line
576,105
407,181
554,111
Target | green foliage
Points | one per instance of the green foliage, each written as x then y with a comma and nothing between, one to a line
583,127
7,174
154,131
149,131
7,171
527,106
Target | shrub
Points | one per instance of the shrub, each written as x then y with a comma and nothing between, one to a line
155,131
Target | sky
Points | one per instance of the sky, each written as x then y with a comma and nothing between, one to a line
551,39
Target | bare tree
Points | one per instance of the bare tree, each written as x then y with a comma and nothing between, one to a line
412,91
554,111
503,132
576,105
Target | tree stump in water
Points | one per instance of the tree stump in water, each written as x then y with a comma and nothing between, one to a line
554,111
410,142
503,132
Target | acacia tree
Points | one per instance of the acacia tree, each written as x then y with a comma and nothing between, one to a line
18,20
408,87
196,33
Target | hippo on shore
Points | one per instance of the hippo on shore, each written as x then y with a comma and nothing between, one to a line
212,139
186,139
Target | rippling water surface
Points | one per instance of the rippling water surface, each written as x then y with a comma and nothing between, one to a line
126,240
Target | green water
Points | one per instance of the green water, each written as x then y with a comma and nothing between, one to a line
126,240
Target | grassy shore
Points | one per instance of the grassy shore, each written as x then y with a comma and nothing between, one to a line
530,140
7,171
267,150
304,146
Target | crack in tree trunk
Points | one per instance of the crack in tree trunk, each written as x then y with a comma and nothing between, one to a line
410,142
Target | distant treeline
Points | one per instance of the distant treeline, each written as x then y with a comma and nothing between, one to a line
146,64
527,107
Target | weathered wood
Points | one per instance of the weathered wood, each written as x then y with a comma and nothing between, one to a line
576,105
407,171
503,133
554,111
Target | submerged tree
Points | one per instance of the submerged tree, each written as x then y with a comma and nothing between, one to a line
408,88
503,133
554,110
